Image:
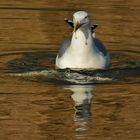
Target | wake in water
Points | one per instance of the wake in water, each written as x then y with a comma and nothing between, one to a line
30,67
69,76
62,77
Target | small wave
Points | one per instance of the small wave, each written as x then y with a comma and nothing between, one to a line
69,76
44,73
39,67
62,77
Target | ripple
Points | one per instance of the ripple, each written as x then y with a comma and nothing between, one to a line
40,67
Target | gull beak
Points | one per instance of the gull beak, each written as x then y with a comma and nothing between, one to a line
77,26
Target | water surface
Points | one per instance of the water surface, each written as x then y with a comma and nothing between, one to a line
38,102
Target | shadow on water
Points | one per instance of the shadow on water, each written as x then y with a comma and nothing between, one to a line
38,67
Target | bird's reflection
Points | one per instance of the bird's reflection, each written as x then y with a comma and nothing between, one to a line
82,97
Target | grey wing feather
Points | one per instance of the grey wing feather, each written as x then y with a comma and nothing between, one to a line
64,47
100,46
93,27
69,22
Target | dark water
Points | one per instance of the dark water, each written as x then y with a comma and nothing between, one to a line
38,102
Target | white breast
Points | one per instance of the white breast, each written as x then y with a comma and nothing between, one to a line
82,53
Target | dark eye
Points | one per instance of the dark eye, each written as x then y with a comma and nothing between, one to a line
86,17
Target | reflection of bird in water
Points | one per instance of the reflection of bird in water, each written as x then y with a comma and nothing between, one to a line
82,96
83,50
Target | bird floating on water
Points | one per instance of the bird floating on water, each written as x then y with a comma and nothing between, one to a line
83,50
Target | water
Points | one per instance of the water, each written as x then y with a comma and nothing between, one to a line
38,102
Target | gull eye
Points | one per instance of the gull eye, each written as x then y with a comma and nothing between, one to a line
86,17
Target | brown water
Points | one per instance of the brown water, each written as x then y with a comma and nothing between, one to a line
39,103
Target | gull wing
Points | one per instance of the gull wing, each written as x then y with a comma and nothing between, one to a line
69,22
93,27
64,47
100,46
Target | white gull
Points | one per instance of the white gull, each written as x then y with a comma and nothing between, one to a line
83,51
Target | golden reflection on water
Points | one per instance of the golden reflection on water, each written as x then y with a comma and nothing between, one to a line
37,110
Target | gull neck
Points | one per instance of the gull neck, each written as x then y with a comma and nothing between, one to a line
83,39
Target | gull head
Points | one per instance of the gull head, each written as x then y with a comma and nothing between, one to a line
80,19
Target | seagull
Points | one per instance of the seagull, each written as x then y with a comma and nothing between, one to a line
93,27
83,50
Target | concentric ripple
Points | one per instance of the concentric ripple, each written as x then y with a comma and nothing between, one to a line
39,66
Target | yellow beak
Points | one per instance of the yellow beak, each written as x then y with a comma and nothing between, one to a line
77,26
